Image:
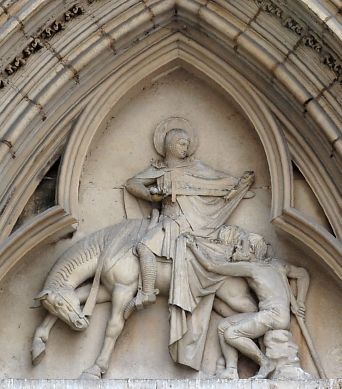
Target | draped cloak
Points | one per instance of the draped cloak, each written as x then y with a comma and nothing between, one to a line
195,205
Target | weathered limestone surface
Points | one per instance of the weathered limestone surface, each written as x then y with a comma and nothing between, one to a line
124,146
169,384
86,82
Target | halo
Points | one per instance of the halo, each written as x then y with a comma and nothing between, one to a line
168,124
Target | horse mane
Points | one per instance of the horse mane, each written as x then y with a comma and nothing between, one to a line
81,253
90,248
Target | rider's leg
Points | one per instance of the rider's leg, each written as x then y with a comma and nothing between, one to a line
148,267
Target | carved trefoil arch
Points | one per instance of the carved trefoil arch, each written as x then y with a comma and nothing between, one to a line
65,66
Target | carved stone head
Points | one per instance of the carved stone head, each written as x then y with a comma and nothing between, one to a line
258,246
176,143
66,306
250,246
230,235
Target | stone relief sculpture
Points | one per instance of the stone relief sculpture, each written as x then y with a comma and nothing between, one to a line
267,277
185,251
194,198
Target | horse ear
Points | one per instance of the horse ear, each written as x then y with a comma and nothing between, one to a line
42,295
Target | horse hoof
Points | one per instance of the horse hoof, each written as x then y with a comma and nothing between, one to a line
93,373
88,376
37,352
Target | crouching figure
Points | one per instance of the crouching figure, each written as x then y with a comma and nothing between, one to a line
268,278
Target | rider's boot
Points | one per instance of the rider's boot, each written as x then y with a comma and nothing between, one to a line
148,266
146,295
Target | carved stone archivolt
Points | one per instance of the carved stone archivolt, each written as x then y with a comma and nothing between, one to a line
37,42
62,76
328,57
309,39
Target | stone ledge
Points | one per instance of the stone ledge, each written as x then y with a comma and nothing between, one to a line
169,384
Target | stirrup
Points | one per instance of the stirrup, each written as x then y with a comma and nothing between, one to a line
139,302
143,299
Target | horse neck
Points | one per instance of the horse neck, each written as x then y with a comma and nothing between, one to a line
73,269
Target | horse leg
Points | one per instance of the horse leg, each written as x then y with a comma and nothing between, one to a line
236,294
222,308
42,332
121,296
103,296
40,338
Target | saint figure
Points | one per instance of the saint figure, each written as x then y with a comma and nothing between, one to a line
193,198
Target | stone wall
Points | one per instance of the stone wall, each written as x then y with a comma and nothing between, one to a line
122,147
85,84
169,384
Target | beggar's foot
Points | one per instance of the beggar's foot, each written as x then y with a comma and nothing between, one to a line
230,373
266,368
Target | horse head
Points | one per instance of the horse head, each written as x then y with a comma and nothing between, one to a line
64,304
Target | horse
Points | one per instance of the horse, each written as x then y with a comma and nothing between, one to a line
65,288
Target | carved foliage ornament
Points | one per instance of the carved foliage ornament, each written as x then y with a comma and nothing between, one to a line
309,39
328,58
36,42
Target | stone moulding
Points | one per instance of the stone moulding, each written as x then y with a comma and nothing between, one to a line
323,188
37,42
317,238
215,39
170,384
48,148
309,39
211,67
282,214
46,225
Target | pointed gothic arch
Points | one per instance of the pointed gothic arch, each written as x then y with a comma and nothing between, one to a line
281,74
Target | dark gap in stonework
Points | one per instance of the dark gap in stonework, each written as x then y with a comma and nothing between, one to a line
297,175
44,196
